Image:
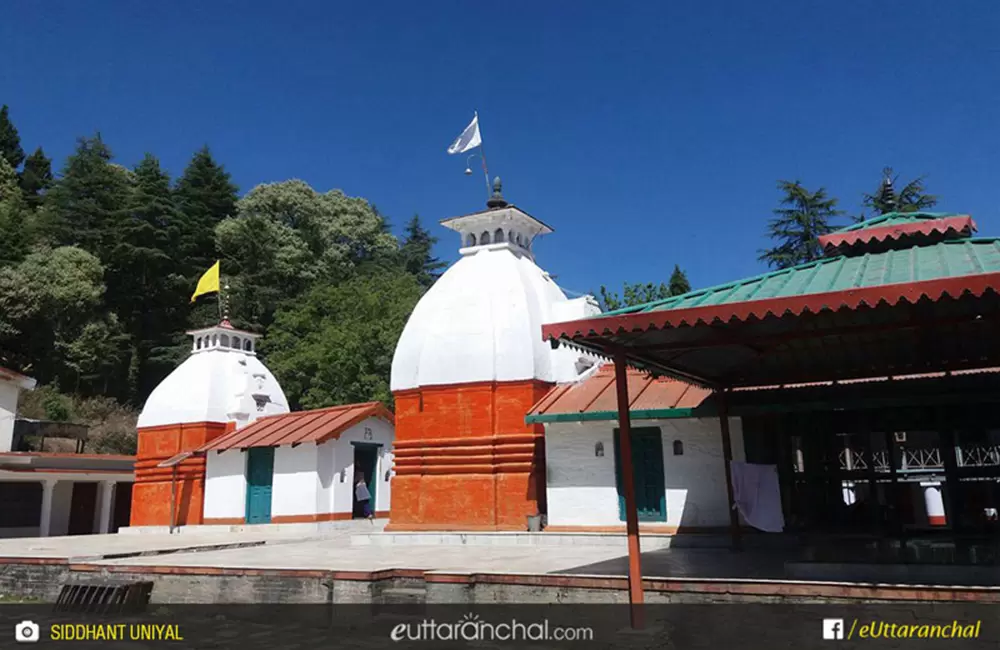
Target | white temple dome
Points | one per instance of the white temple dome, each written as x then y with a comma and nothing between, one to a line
222,381
482,320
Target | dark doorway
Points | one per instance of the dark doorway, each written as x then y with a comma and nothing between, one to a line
366,464
123,506
648,475
83,509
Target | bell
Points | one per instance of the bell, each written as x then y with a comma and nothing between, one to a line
468,171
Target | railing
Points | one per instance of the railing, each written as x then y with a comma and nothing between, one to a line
978,456
916,459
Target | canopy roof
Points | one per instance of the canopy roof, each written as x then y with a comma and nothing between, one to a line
594,398
904,309
896,229
298,427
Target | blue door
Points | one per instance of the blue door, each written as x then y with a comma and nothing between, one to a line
260,473
647,466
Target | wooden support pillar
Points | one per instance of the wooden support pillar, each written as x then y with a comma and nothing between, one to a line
635,593
727,454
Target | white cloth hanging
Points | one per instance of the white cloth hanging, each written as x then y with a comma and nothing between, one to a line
757,495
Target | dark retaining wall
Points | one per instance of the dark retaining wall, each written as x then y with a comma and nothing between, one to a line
177,585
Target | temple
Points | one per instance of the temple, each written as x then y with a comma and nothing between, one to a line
468,367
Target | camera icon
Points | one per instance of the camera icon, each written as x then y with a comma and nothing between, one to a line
26,632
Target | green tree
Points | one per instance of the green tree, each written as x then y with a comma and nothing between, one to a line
639,294
145,285
15,238
206,195
288,236
53,322
36,178
8,181
335,344
678,283
912,198
803,217
86,206
10,141
416,253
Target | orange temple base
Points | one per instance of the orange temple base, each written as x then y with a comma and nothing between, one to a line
465,459
184,485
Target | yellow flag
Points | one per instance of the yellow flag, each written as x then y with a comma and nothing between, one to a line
209,283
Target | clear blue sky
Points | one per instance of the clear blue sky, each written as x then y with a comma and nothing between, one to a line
645,133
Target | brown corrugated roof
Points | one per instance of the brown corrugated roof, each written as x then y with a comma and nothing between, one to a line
596,394
317,426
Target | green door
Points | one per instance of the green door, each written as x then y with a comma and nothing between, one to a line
647,464
260,473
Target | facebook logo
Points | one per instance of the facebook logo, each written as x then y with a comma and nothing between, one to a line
833,629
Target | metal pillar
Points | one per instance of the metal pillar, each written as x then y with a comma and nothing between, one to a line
727,454
635,594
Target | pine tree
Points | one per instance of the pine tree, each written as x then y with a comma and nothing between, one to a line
86,206
678,283
143,283
416,253
14,236
10,141
206,196
36,178
804,216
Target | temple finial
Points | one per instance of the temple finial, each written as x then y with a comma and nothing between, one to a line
887,195
497,201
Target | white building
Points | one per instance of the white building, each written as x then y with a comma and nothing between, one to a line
300,467
46,494
676,447
218,446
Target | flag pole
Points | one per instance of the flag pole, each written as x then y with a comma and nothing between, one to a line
482,156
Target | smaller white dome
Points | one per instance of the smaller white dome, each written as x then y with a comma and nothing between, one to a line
220,382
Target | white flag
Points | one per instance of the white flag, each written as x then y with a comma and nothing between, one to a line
469,139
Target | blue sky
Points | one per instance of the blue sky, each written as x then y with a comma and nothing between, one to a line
646,134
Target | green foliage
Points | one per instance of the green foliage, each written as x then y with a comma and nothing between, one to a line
206,195
335,344
84,208
10,141
803,217
416,253
8,181
111,426
640,294
912,198
287,236
36,178
52,321
145,286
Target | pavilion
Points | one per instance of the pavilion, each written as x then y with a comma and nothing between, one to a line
861,375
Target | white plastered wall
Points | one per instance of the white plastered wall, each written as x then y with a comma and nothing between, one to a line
225,484
581,488
293,491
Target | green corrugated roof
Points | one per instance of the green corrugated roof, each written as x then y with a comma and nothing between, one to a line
942,260
896,218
